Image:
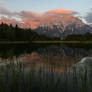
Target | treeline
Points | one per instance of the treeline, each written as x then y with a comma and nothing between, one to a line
10,33
85,37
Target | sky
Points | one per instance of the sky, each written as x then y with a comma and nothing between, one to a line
80,6
16,8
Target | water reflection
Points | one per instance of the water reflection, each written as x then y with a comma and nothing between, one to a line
56,57
54,68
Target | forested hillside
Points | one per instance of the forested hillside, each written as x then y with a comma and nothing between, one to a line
10,33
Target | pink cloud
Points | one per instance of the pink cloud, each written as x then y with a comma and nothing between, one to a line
29,15
30,23
13,22
5,20
32,19
60,11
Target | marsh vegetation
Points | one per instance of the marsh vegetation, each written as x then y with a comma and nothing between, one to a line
44,68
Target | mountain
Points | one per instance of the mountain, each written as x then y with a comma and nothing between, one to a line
62,26
53,26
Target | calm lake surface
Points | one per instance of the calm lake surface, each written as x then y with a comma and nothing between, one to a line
57,54
59,64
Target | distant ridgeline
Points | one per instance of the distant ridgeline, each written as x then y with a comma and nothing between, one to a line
10,33
85,37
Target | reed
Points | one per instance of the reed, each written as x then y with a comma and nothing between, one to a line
15,78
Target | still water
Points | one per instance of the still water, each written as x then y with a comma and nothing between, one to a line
58,68
50,55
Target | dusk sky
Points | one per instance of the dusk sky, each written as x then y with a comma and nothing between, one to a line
83,8
45,5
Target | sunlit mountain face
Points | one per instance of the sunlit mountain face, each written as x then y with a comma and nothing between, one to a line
31,19
62,26
54,23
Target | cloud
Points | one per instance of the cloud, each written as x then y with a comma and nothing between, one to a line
60,12
6,20
6,12
31,23
32,19
88,17
22,14
13,22
3,4
29,15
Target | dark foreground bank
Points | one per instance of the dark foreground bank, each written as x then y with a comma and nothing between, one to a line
16,78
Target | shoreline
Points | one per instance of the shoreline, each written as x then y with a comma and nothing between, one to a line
45,42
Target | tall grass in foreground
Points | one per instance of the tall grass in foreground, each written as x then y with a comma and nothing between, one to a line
15,78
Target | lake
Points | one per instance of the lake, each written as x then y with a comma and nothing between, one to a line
45,68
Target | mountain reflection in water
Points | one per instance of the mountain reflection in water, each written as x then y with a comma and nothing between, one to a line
47,68
56,57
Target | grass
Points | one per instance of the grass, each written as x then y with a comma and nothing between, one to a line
45,42
14,42
14,78
73,42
